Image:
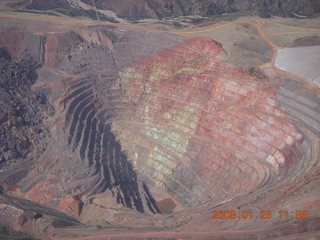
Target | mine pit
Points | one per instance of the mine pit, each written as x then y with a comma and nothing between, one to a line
137,132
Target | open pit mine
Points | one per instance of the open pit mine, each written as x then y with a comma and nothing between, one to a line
182,127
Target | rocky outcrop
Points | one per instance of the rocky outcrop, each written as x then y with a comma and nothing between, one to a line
65,7
159,9
173,8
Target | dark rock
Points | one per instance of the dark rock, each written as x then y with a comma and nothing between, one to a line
173,8
21,110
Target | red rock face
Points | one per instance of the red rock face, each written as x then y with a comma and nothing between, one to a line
51,50
210,130
11,40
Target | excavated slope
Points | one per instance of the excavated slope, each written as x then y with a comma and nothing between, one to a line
156,123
